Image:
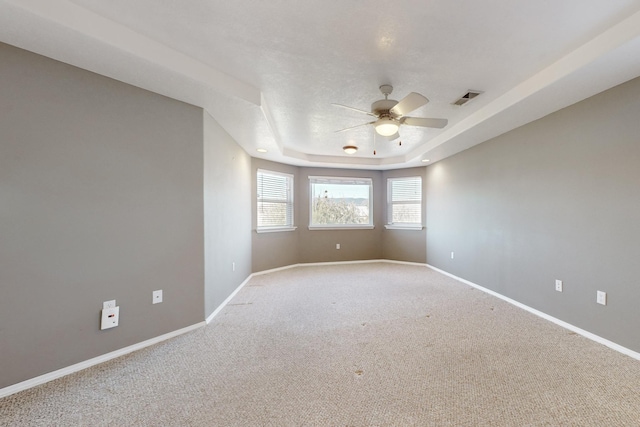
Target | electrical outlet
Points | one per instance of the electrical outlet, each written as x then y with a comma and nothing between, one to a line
233,266
109,304
601,297
559,285
157,296
337,245
451,255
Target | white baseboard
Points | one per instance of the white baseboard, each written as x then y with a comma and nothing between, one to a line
273,270
226,301
311,264
393,261
24,385
569,326
358,261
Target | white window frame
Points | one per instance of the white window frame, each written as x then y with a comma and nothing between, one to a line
288,201
345,181
390,203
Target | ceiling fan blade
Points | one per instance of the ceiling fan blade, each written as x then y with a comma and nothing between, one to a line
353,127
411,102
424,122
355,109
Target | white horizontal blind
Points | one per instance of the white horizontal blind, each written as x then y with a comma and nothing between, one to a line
340,202
275,200
404,201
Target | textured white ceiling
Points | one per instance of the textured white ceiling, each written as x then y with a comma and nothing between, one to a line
269,71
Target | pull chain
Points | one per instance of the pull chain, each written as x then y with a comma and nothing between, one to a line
374,142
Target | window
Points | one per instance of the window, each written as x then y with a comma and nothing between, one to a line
404,202
275,201
340,202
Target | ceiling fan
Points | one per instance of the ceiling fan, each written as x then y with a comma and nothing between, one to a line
390,114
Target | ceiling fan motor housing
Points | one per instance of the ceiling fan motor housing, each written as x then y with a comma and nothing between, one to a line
383,106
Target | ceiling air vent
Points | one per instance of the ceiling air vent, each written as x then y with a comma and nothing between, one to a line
467,97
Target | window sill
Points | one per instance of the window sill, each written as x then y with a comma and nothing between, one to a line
403,227
274,230
346,227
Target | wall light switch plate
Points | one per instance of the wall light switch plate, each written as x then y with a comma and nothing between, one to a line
157,296
110,318
601,297
109,304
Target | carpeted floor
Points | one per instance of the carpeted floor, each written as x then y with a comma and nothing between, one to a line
375,344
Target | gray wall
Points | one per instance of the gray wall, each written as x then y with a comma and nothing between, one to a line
405,245
227,207
555,199
279,249
101,189
272,250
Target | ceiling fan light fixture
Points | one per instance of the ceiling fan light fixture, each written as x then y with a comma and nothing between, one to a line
386,126
350,149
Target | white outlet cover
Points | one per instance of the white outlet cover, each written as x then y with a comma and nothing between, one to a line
110,318
109,304
451,255
157,296
559,285
601,297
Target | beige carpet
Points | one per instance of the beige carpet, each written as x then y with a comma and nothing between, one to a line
352,345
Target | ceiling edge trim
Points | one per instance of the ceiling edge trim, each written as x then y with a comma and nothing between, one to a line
616,36
266,111
91,24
